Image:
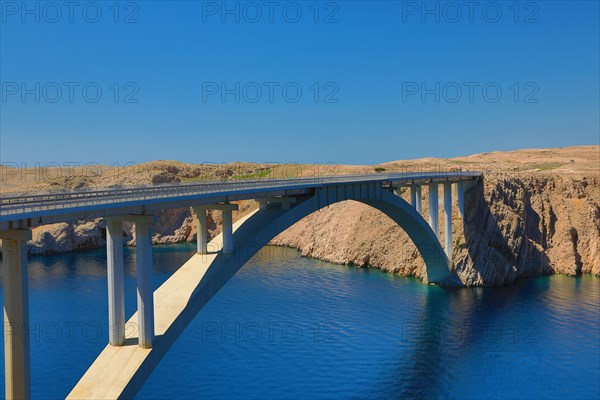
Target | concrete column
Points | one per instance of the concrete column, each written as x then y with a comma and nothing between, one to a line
202,237
145,301
448,219
116,287
433,208
418,204
460,191
227,231
16,314
413,196
226,209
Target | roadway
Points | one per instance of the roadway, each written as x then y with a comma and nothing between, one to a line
28,210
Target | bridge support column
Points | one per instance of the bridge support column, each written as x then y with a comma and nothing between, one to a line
227,231
145,300
433,208
16,314
460,191
418,205
201,227
227,220
413,196
116,287
448,219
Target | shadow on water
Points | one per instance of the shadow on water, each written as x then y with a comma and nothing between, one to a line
450,323
414,375
452,320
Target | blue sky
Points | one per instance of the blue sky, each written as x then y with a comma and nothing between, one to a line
379,81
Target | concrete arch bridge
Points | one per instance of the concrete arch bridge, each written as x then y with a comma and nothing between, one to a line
131,354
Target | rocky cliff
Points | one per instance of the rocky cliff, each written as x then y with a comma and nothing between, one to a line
515,225
512,228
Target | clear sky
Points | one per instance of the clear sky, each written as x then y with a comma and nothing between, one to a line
345,82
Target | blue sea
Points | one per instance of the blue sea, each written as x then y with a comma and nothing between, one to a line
289,327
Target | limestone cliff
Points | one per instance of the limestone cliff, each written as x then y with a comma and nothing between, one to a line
514,227
518,224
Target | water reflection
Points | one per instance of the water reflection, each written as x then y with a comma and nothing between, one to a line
511,342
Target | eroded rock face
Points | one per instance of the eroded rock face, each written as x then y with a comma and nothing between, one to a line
530,226
521,226
516,227
65,237
353,233
165,177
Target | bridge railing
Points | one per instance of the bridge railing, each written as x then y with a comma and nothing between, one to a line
49,201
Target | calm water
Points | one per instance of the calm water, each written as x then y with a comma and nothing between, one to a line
292,327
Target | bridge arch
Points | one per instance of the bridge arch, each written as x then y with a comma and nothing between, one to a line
182,296
258,229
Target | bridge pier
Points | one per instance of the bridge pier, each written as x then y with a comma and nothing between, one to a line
227,227
16,314
115,277
116,286
460,193
433,208
227,231
418,205
413,195
202,230
145,300
448,219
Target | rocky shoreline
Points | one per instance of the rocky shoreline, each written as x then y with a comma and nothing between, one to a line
513,228
517,227
536,212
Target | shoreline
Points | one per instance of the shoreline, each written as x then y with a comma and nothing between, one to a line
518,221
192,246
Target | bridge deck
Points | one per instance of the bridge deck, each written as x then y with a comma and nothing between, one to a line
27,211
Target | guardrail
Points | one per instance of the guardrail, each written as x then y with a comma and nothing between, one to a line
39,202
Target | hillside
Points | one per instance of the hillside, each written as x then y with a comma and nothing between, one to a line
537,212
